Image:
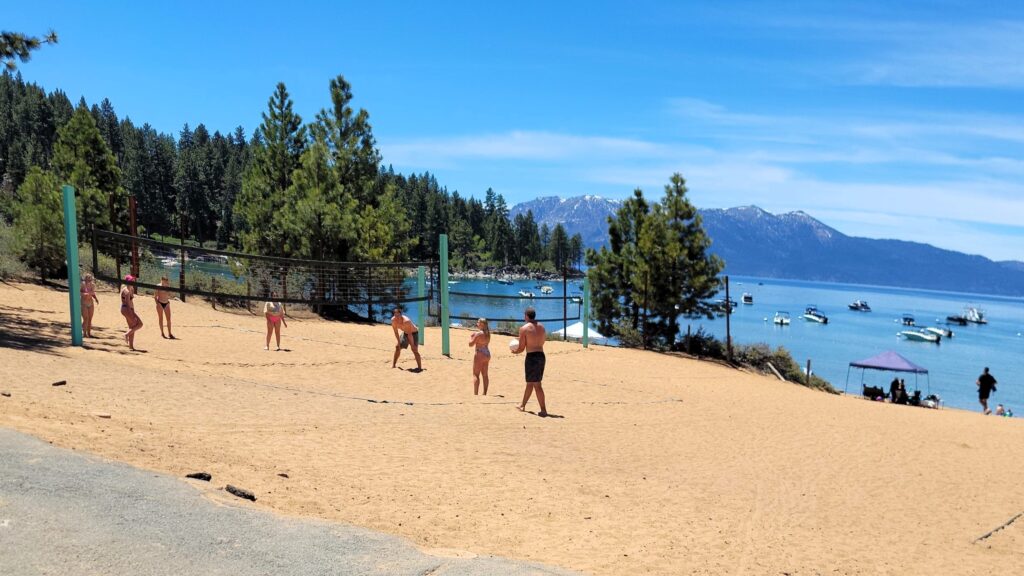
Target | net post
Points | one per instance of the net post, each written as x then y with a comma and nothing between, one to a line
71,248
181,267
421,291
445,312
586,311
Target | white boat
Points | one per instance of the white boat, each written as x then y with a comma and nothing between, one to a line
975,315
908,320
860,306
943,332
813,315
781,318
921,336
747,298
577,299
526,294
546,289
506,281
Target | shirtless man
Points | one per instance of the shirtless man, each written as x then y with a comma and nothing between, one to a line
401,322
531,339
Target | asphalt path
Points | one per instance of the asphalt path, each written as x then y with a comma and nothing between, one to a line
64,512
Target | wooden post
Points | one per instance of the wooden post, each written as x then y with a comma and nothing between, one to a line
181,264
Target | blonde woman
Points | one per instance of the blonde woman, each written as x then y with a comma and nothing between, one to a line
482,357
128,311
163,307
274,312
89,302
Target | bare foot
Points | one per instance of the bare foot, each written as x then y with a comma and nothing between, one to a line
521,408
542,414
266,347
171,336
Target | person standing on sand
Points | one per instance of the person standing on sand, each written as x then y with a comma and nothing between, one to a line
128,311
531,339
986,386
163,307
89,303
482,357
402,323
274,312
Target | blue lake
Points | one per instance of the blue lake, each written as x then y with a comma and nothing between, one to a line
954,364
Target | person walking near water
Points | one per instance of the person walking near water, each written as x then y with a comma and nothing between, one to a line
986,386
482,357
531,339
402,323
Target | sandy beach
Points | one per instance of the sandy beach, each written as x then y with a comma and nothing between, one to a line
653,463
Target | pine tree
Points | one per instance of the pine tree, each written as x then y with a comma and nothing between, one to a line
277,148
38,223
657,269
349,136
15,46
558,249
82,159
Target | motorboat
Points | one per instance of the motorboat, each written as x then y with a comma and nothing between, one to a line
747,298
860,306
907,320
781,318
975,315
526,294
812,314
577,299
505,281
546,289
944,332
725,305
921,335
957,319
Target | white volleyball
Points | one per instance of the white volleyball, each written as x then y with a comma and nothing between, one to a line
513,344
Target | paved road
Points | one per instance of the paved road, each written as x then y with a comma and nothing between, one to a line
63,512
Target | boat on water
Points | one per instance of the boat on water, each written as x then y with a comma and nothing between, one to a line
781,318
812,314
921,335
943,332
546,289
526,294
975,315
957,319
860,306
724,305
505,281
577,299
908,320
747,298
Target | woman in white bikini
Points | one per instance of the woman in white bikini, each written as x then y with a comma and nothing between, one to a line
163,307
274,312
482,357
89,302
128,311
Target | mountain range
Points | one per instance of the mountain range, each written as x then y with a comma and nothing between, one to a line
796,246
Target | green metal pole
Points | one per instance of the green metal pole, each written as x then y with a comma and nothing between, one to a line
71,249
445,313
421,285
586,311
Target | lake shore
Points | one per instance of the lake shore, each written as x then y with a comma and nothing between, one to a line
655,463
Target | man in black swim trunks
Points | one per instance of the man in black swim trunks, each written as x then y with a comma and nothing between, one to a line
986,386
531,339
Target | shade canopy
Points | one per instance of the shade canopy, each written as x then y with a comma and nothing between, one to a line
576,331
889,361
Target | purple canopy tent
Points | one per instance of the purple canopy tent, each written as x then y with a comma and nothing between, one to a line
888,362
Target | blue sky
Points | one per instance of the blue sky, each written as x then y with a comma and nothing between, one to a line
887,120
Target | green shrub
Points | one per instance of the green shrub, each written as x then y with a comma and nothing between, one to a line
10,265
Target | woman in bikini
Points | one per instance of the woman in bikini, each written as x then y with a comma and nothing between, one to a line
274,311
163,307
128,311
482,358
89,302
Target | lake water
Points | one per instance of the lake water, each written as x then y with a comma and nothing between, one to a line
953,365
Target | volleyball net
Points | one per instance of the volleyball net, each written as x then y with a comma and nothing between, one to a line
234,276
